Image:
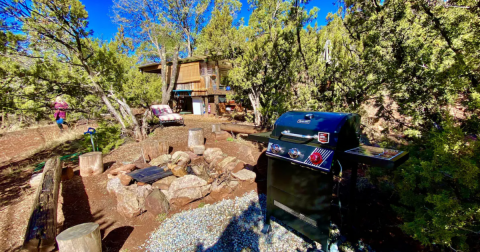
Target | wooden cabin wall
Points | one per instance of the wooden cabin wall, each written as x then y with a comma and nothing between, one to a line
189,72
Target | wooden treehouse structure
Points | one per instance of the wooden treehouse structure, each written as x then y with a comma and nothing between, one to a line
200,86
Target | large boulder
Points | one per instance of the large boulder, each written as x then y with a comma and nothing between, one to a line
114,186
245,175
180,156
157,203
227,162
160,160
122,169
187,189
210,154
131,200
164,183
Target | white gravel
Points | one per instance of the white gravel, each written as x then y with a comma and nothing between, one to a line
229,225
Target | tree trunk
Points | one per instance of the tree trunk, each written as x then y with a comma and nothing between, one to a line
154,148
91,164
164,72
112,110
195,138
189,45
42,225
136,126
144,123
237,128
83,237
255,100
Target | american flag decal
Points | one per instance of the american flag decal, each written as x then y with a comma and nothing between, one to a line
325,155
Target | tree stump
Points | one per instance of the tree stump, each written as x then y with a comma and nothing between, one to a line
195,138
154,148
216,128
42,225
91,164
83,237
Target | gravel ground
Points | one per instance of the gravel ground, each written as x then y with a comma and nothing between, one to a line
229,225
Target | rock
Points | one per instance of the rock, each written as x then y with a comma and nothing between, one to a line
179,170
187,189
125,179
197,161
180,156
238,167
200,171
233,184
141,183
164,183
222,135
191,155
221,166
160,160
142,165
67,173
124,168
167,194
157,203
131,200
198,149
35,180
247,151
127,203
245,175
114,186
210,154
212,167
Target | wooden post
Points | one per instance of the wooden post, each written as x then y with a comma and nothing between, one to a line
42,225
83,237
206,105
216,128
215,97
195,138
154,148
91,164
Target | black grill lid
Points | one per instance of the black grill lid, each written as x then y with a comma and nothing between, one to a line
305,125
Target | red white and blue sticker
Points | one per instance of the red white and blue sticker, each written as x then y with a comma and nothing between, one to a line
323,137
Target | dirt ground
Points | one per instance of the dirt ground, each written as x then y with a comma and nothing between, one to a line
85,199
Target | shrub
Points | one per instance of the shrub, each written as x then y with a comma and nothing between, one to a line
107,138
439,191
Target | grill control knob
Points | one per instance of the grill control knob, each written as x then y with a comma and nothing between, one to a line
276,148
293,153
316,158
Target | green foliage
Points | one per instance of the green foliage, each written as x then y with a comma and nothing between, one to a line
107,138
439,188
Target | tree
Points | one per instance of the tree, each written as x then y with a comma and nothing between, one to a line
162,28
220,38
64,27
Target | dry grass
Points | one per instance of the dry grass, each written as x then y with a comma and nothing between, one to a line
52,140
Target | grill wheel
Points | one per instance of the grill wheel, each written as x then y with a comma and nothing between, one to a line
262,165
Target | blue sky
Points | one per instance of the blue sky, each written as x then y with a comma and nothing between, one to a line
100,15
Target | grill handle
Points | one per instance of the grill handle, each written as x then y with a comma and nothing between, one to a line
287,133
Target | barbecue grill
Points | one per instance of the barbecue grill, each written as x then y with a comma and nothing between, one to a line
305,150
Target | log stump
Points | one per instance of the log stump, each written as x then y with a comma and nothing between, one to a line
91,164
154,148
216,128
195,138
83,237
42,225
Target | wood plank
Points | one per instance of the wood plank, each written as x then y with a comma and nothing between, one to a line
42,225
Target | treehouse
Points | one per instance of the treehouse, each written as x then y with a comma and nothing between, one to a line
200,86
